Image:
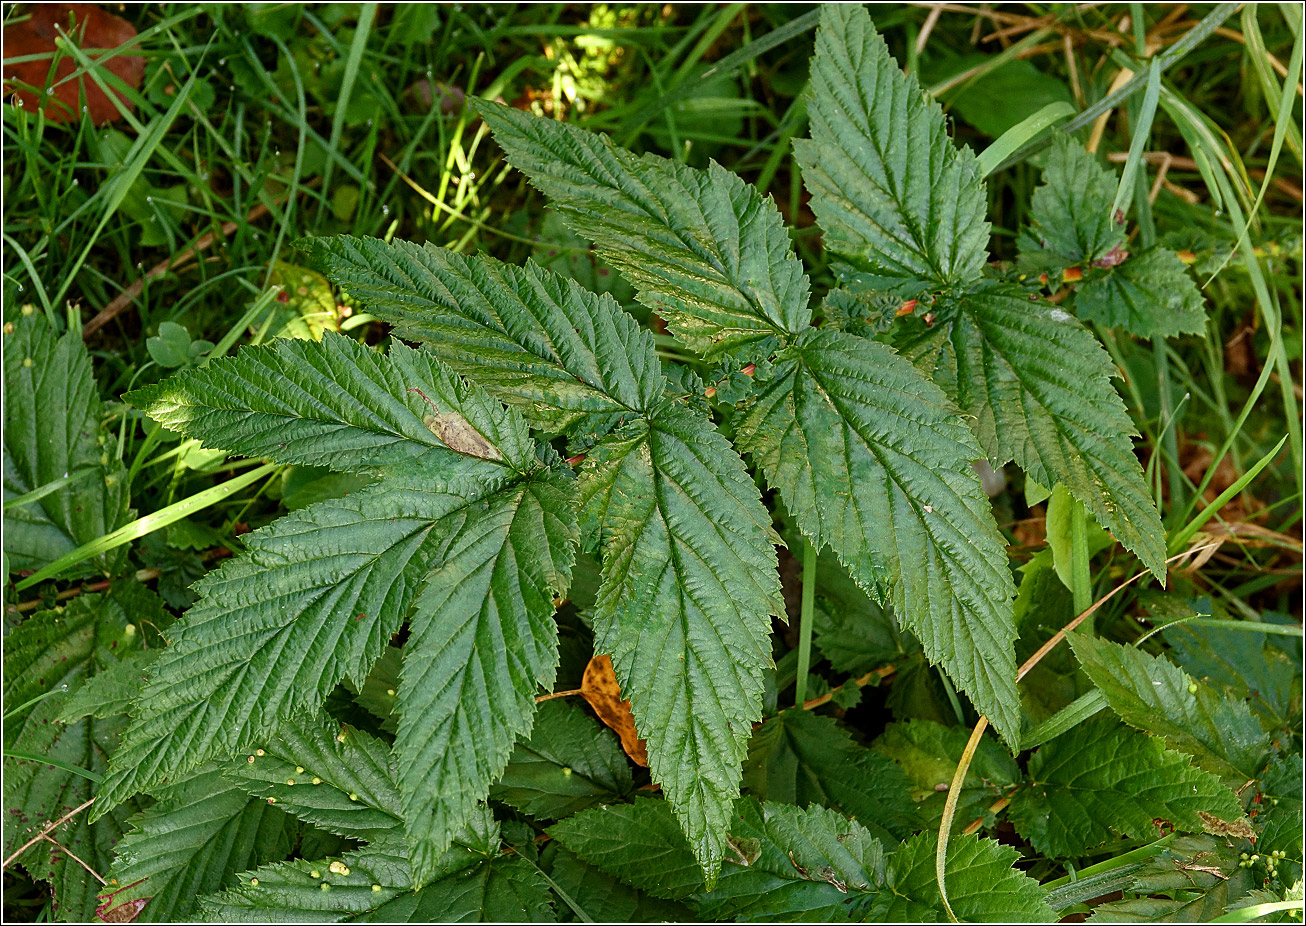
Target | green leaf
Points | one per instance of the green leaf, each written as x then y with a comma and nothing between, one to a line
606,899
472,882
640,843
1243,664
315,598
110,691
854,633
570,763
982,885
1152,695
338,404
51,434
871,459
55,653
1071,211
689,589
928,753
1150,295
804,758
201,832
784,864
500,891
335,777
704,249
171,346
532,338
1192,880
294,891
810,865
1101,780
1060,514
895,197
1038,387
1000,98
1280,819
483,643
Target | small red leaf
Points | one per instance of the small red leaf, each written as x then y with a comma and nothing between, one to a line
88,26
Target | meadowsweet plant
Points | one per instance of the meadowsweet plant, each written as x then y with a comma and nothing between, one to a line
516,421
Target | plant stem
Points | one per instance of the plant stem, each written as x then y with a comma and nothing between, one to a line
1081,581
805,623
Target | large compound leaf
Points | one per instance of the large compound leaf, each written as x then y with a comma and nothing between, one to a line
895,197
571,762
532,338
1151,694
1102,778
703,248
684,610
52,432
336,404
49,658
315,598
982,885
483,643
201,832
1038,387
870,458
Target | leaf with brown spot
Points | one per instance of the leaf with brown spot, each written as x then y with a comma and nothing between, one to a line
1219,827
454,430
91,28
600,688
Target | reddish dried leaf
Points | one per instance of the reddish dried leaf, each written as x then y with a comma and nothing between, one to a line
90,27
600,688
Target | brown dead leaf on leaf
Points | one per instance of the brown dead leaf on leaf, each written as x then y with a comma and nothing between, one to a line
600,688
91,28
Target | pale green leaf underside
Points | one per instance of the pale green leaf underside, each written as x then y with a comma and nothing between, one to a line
483,643
531,337
1150,295
1102,778
1038,387
871,459
1071,210
689,589
983,887
336,404
336,778
1151,694
51,431
315,598
191,842
703,248
893,194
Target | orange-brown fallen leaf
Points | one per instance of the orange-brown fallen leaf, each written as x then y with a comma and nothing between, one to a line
600,688
88,26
